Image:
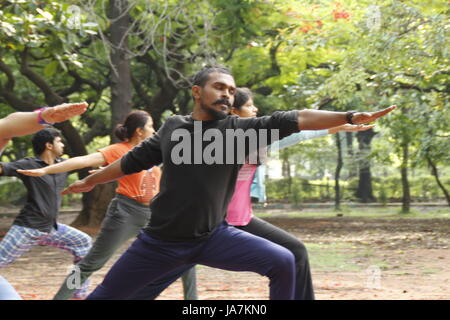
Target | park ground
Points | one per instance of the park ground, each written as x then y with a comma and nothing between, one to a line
366,254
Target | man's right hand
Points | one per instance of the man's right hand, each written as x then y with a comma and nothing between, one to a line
78,186
63,111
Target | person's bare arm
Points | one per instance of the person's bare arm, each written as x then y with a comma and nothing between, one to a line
95,159
3,143
109,173
19,124
23,123
350,128
318,119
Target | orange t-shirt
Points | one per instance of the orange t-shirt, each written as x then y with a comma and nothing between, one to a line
141,186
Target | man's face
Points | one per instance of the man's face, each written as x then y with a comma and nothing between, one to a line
57,147
217,96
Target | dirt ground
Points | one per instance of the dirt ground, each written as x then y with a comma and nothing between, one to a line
351,259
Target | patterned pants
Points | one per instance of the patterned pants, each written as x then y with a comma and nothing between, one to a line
20,239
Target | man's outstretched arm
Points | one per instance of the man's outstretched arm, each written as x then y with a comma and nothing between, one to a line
22,123
318,119
109,173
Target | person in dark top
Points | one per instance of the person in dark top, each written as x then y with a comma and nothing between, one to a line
23,123
187,225
37,223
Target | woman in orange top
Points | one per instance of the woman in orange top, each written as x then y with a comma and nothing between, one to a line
127,213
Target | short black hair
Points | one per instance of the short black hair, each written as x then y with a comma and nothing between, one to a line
241,97
201,77
42,137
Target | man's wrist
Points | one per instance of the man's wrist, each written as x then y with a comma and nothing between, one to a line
349,116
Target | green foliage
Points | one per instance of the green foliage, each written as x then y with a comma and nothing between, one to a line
294,54
11,191
386,189
45,27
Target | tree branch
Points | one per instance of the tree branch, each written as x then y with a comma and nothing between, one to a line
11,81
140,91
274,70
402,85
98,128
8,95
51,96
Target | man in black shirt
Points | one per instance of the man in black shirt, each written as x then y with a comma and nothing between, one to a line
36,223
187,225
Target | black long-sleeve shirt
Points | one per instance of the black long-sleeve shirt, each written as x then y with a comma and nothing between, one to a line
43,194
193,198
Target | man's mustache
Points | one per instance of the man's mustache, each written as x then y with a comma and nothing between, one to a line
223,101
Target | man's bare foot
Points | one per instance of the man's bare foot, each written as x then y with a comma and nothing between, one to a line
63,112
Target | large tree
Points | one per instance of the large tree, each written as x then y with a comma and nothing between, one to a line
101,51
40,64
373,56
95,205
327,55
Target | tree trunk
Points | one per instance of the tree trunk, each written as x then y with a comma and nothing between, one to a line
186,98
95,203
162,101
365,191
121,87
76,147
286,172
435,173
351,165
406,199
340,163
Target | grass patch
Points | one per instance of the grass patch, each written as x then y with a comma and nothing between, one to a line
430,271
339,257
401,273
362,212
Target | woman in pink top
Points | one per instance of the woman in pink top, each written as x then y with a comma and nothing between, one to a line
240,209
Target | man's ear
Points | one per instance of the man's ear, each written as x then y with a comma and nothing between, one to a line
49,146
196,91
